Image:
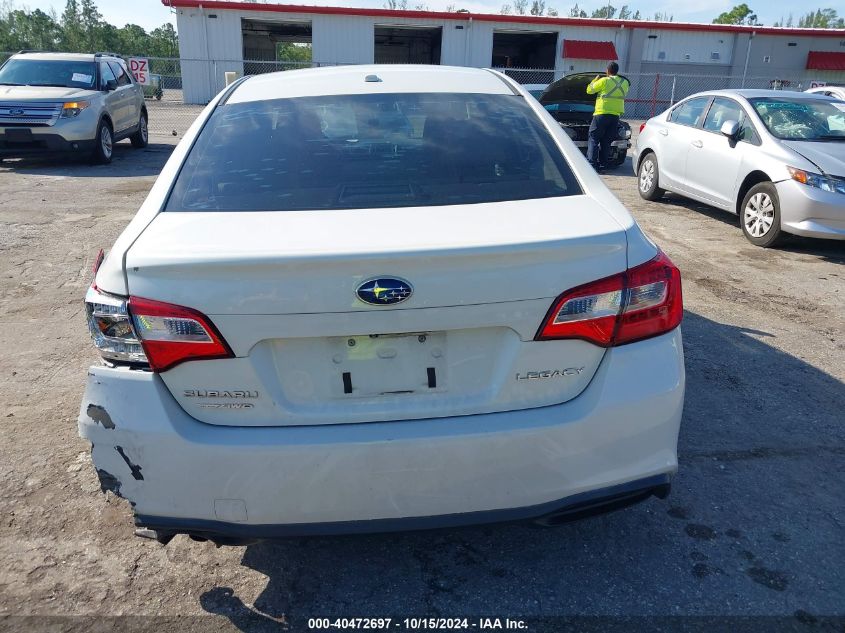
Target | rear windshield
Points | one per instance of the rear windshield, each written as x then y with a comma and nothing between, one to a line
365,151
47,72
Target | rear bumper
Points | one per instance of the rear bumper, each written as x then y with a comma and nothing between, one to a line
615,441
811,212
557,512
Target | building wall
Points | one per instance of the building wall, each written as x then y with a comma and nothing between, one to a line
339,39
211,46
693,47
208,48
785,60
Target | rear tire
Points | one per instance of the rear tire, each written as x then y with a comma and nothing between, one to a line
142,136
648,178
759,215
103,143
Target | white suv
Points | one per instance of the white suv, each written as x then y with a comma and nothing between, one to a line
353,304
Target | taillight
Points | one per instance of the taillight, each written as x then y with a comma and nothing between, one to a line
642,127
172,334
644,301
150,333
111,328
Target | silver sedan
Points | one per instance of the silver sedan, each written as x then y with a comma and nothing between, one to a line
775,158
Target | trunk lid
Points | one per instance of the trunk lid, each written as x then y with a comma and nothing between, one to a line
280,287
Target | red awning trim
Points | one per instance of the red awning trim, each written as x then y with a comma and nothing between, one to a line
823,60
587,49
216,5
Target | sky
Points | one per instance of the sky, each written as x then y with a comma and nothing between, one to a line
151,13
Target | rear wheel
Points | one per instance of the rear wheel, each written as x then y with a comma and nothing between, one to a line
103,143
648,178
141,137
760,215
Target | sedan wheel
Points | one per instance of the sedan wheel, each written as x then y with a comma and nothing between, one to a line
649,177
761,215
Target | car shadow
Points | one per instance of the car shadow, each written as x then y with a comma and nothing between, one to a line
829,250
126,161
750,461
624,170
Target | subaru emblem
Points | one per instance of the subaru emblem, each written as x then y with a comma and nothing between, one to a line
384,291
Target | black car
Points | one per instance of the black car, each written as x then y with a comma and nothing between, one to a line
570,105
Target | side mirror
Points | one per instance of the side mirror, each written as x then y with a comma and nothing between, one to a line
111,84
730,129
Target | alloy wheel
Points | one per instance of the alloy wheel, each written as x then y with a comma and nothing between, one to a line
106,141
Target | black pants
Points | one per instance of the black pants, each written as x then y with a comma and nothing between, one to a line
603,131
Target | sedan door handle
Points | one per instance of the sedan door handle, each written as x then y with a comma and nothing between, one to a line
697,144
664,132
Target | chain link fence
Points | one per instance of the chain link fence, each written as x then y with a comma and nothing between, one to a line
181,86
651,93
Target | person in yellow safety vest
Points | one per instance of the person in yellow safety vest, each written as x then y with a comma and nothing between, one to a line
610,105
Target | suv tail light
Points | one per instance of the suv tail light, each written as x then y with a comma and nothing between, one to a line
172,334
150,333
642,302
642,127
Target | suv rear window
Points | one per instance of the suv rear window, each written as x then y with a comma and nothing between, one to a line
372,150
48,72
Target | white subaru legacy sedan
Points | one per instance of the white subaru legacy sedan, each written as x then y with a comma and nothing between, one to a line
376,298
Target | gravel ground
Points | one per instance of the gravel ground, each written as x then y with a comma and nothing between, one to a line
755,524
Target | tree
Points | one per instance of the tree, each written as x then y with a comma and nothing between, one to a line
164,42
293,52
520,6
552,12
740,14
822,19
506,9
72,34
624,13
538,7
80,29
606,12
91,23
662,17
36,30
636,15
576,12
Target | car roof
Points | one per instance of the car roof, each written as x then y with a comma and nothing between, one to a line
384,79
79,57
758,93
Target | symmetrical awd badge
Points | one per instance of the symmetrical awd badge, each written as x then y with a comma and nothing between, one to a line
382,291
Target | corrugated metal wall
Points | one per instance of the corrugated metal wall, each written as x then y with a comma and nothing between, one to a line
695,47
341,39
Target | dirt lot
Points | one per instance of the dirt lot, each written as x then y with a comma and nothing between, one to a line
755,524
